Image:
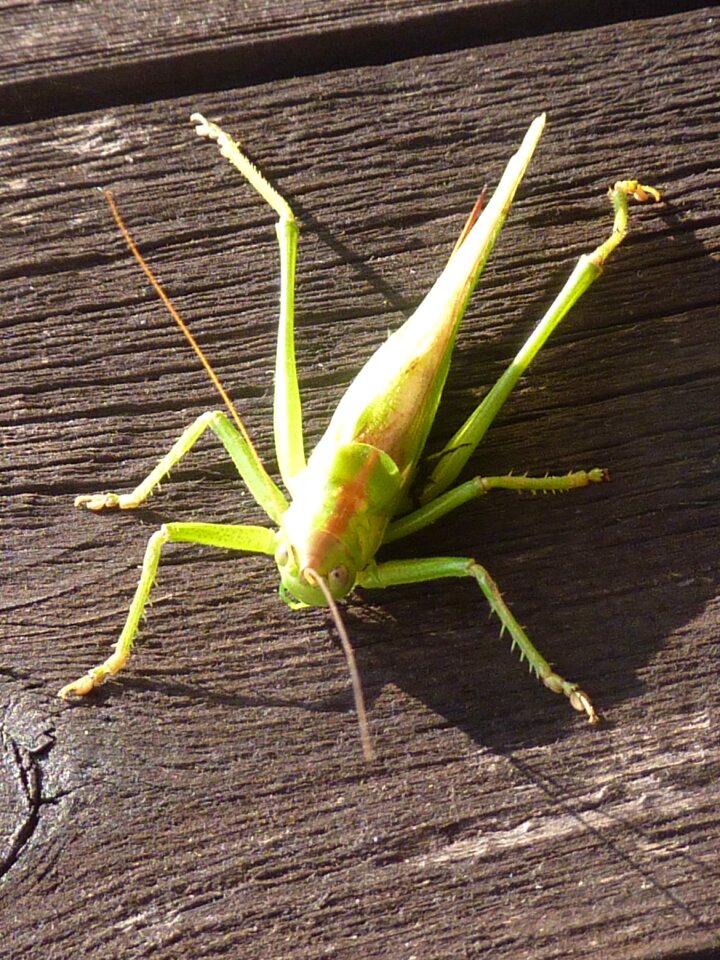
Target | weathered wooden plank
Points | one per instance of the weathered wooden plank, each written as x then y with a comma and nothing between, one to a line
67,57
213,801
58,58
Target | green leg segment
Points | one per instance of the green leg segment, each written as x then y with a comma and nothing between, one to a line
478,487
246,538
461,446
261,485
398,572
287,406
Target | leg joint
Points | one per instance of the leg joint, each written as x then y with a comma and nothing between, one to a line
160,537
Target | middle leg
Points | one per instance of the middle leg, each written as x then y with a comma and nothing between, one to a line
478,487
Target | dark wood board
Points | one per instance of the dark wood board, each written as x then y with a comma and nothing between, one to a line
212,802
55,57
58,58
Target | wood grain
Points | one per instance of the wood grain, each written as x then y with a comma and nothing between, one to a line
213,801
82,55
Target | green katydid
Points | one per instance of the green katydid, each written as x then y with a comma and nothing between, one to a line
360,488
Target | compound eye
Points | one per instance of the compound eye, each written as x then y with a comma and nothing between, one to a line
338,578
281,555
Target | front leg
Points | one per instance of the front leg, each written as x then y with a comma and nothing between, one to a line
396,572
261,485
247,538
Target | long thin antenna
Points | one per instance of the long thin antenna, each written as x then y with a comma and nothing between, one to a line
368,752
175,315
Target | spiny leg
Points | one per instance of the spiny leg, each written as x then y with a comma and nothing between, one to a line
260,484
460,447
396,572
246,538
478,487
287,407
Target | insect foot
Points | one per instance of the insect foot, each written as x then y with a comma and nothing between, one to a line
577,697
78,688
98,675
98,501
